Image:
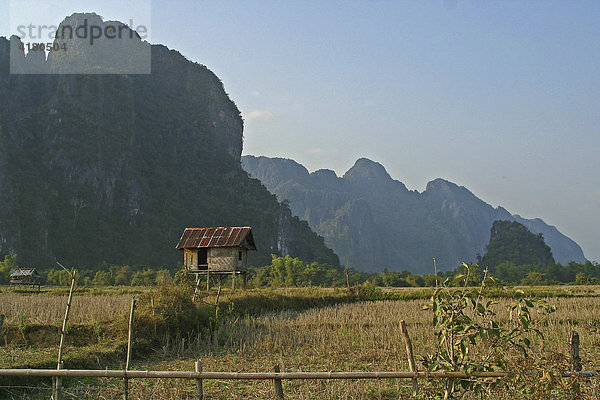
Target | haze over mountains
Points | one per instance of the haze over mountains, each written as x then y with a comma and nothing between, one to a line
373,221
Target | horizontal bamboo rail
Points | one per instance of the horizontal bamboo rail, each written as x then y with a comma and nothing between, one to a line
102,373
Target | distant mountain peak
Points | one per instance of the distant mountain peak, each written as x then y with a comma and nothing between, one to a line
365,169
373,222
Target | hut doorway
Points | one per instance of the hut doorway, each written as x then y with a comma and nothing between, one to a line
203,258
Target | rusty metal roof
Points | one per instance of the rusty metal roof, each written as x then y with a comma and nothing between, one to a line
195,238
24,272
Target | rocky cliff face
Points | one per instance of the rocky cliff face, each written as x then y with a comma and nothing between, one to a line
97,167
373,221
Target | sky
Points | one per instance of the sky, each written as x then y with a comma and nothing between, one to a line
502,97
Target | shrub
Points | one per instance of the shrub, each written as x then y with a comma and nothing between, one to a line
462,319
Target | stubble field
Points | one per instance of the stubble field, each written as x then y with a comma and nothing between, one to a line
361,336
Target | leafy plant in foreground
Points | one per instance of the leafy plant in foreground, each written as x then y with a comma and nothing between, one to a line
463,318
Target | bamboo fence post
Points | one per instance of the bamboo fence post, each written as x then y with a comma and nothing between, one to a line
199,388
409,355
57,386
575,362
129,340
277,384
64,325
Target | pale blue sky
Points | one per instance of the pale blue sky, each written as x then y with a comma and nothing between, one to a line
502,97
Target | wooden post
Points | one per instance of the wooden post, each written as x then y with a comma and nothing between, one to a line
153,314
245,280
409,355
129,340
575,362
218,292
57,387
207,280
1,323
199,388
575,359
64,325
278,385
233,281
347,270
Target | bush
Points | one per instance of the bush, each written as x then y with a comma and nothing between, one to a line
168,310
6,267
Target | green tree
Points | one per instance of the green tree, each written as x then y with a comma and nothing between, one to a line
102,278
146,277
163,277
534,278
6,267
123,275
59,277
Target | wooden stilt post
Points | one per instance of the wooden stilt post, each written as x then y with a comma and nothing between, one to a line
409,355
218,292
197,288
575,362
199,388
129,341
207,280
233,281
278,385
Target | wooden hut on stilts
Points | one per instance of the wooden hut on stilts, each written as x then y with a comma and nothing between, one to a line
217,252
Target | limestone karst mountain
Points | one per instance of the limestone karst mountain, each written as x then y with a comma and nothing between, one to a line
112,167
374,222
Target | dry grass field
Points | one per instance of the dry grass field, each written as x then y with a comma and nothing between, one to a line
348,337
351,337
50,309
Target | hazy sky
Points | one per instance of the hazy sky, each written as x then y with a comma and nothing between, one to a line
502,97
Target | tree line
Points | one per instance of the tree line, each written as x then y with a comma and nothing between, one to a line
292,272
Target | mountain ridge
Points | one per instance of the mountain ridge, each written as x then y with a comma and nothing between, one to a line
371,221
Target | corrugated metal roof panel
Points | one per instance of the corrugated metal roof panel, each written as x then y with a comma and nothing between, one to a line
24,272
217,237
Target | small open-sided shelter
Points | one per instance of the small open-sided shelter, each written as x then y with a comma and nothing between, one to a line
217,251
25,276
